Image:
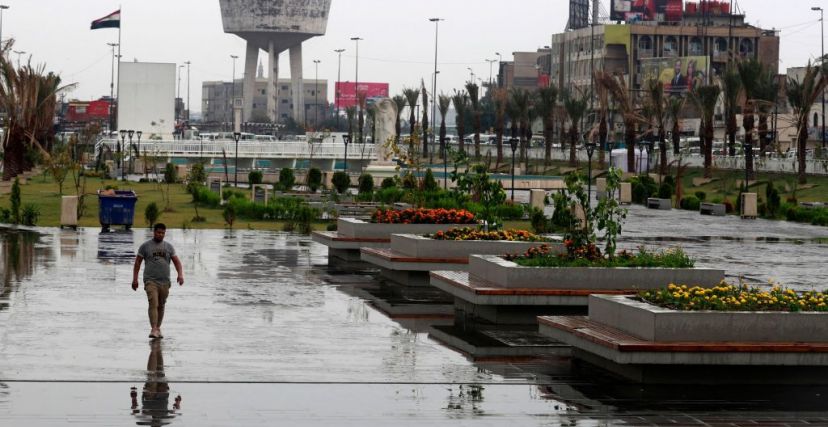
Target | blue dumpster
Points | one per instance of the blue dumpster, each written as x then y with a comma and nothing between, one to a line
116,207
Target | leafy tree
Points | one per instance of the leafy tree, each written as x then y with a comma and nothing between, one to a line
170,174
314,179
429,183
341,181
366,184
255,177
198,174
287,179
474,103
151,214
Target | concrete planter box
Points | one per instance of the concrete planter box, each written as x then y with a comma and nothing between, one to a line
507,274
417,246
356,228
653,323
660,204
715,209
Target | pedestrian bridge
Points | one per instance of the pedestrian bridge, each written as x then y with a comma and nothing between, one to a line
279,150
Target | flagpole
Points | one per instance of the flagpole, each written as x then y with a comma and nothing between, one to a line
118,102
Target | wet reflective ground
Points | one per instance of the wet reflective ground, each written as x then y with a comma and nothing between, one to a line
263,332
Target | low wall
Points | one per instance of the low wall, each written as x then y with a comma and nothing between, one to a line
356,228
417,246
653,323
502,273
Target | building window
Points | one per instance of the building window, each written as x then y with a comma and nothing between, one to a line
263,91
670,46
746,47
695,46
721,45
284,87
645,43
284,101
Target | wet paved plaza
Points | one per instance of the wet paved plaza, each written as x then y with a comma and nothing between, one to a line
263,333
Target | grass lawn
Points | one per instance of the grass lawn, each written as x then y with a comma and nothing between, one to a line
42,191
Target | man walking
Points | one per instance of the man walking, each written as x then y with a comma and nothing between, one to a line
158,254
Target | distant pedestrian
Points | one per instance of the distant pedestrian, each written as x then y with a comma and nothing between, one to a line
157,253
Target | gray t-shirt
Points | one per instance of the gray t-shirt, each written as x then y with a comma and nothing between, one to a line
157,257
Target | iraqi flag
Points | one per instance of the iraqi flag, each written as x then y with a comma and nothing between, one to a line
113,20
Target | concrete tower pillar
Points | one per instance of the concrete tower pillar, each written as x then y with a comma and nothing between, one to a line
273,84
251,59
297,82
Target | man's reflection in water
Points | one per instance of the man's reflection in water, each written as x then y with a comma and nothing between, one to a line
155,397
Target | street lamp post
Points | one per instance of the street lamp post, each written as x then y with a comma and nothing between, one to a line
338,78
236,137
233,83
436,22
126,150
123,133
822,34
111,81
316,91
590,149
356,85
641,145
138,148
513,142
491,63
649,147
748,149
346,139
188,94
2,8
499,61
445,165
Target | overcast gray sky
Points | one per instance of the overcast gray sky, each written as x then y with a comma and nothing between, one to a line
398,45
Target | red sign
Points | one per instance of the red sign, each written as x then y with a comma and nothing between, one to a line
346,92
82,111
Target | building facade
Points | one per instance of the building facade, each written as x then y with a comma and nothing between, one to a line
217,101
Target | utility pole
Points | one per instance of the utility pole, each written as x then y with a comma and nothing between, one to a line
436,22
316,92
188,92
111,82
356,85
338,79
822,62
233,83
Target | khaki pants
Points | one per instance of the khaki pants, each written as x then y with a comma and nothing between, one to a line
157,297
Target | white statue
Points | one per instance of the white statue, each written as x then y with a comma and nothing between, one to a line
386,121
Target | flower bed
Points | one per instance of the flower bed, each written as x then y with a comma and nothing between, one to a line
727,297
423,216
588,255
468,233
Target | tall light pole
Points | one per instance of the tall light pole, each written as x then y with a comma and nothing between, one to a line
822,33
491,62
111,82
436,22
499,61
178,93
471,74
233,83
356,85
2,8
336,88
188,92
316,91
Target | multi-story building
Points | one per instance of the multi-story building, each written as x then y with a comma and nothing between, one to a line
217,101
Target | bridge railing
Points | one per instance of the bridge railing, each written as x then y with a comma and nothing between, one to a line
280,149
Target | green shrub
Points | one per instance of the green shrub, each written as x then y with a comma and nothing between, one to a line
690,203
540,223
341,181
665,191
643,187
389,182
701,195
30,214
5,215
314,179
170,174
286,179
389,195
409,181
229,215
772,200
197,174
366,183
255,177
429,183
151,214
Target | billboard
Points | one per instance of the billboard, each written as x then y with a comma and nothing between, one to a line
647,10
146,99
678,74
346,92
578,14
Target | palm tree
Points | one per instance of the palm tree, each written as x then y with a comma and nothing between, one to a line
602,94
400,102
412,95
29,97
520,100
656,103
361,101
443,104
546,100
750,71
802,96
675,105
425,118
732,90
501,101
576,107
617,88
474,102
767,92
461,102
705,97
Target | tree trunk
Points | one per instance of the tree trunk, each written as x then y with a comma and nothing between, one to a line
763,133
573,139
801,145
708,148
732,127
443,139
676,139
461,133
477,135
499,141
397,128
747,123
603,132
662,149
361,125
548,133
629,139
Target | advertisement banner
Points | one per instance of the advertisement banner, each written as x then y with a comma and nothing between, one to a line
678,74
647,10
346,93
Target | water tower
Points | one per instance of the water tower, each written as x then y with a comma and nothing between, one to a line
275,26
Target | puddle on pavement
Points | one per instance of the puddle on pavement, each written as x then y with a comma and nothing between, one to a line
262,315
